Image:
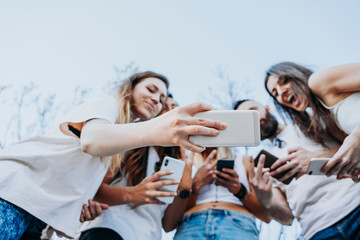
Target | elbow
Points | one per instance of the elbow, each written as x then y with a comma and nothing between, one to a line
90,147
288,222
168,228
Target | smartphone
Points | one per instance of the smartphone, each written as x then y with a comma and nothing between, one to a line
317,163
224,163
243,129
269,161
177,166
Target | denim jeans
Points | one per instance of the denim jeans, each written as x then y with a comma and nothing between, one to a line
216,224
16,223
347,228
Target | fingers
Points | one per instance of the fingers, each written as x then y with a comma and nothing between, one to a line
231,172
281,161
104,206
355,175
281,169
332,165
161,183
190,146
211,156
260,167
251,167
156,176
292,150
194,108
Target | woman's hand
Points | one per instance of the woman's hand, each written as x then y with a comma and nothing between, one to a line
92,211
261,181
206,173
146,192
174,127
228,178
346,158
298,162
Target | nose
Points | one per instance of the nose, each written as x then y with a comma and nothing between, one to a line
155,98
281,93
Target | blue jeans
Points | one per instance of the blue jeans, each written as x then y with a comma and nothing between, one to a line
347,228
16,223
216,224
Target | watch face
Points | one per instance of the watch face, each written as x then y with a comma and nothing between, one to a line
184,194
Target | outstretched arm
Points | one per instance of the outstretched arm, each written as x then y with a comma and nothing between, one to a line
99,138
335,80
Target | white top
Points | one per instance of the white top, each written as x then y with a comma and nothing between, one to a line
216,193
142,222
318,201
346,112
50,176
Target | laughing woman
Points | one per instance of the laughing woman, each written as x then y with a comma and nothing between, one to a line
46,179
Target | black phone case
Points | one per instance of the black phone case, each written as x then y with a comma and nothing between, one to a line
269,160
224,163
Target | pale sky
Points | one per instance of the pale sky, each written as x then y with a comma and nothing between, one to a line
60,44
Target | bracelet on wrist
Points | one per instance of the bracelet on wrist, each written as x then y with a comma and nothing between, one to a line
242,192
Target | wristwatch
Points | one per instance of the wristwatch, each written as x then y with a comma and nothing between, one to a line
184,194
242,192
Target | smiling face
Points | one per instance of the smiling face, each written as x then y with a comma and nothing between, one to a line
148,98
286,94
268,123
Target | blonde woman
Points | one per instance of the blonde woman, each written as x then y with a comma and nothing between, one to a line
46,179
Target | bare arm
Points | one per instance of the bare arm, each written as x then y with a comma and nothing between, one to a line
272,199
143,193
335,81
175,211
100,138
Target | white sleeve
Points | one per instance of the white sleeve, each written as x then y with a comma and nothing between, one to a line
101,108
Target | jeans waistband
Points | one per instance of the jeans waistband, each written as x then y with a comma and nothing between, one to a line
214,211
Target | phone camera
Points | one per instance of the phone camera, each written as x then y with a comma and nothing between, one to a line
310,172
166,162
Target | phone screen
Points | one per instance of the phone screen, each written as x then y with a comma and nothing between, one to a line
224,163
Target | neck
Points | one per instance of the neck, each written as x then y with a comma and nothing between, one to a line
279,129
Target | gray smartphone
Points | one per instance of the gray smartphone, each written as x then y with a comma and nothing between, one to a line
243,129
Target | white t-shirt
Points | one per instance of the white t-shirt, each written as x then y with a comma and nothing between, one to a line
345,112
142,222
50,176
318,201
216,193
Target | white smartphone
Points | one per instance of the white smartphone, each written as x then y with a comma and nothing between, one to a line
177,166
317,163
243,129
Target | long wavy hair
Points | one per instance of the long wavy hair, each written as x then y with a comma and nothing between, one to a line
321,126
126,112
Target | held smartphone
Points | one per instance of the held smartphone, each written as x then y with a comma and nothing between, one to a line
224,163
269,160
243,129
177,166
317,163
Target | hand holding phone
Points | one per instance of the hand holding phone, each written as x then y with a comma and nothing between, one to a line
243,129
317,163
269,161
177,166
224,163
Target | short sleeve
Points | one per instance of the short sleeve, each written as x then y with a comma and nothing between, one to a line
101,108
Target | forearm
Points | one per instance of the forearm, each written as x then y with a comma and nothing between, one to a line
113,195
174,213
278,209
101,139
